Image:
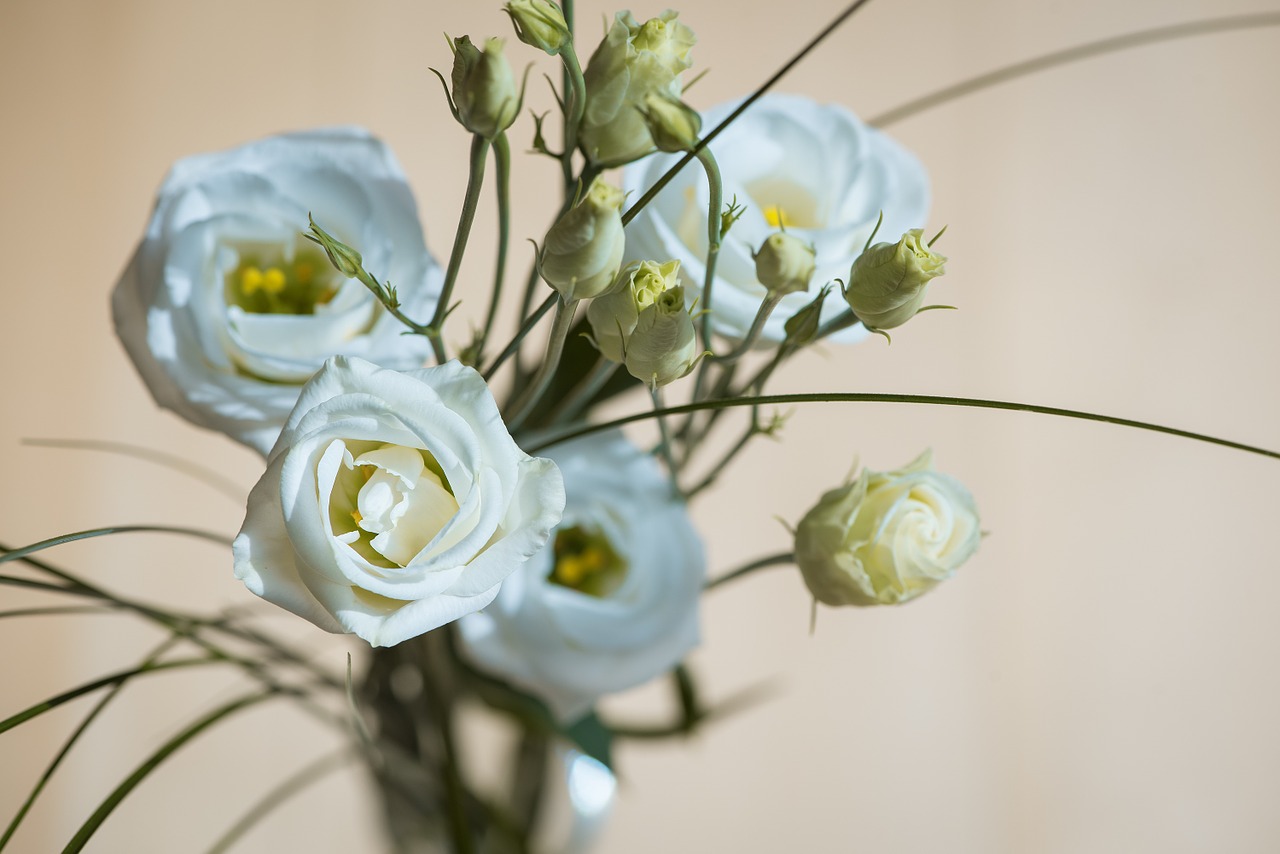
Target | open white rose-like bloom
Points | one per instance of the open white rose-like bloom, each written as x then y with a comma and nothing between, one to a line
393,502
226,310
887,537
814,169
612,602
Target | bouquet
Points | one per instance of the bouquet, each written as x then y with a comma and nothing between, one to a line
502,511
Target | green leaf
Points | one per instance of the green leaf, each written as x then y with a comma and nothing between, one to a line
592,737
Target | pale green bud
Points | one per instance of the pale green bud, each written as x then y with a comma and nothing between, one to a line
613,315
803,326
484,90
583,250
663,347
672,123
887,283
344,259
632,61
785,264
887,537
539,23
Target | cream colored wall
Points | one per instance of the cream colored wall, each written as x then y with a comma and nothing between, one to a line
1102,677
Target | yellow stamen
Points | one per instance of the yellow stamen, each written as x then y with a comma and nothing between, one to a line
777,217
250,280
273,280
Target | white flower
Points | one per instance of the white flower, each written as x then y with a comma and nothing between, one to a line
813,168
393,503
887,537
613,602
226,310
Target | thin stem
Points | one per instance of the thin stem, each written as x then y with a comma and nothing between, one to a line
502,177
875,397
1088,50
513,345
750,433
20,553
455,789
665,446
576,93
560,327
741,108
780,559
581,394
767,306
715,203
479,151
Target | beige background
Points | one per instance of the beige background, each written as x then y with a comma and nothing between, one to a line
1102,677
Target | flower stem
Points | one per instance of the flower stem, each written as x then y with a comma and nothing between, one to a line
878,397
714,204
560,327
502,177
513,345
770,302
780,559
576,93
582,393
435,329
664,446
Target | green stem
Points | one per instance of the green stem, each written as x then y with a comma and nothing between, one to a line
664,446
752,430
1089,50
560,327
875,397
581,394
576,93
513,346
715,203
502,177
20,553
780,559
435,330
770,302
741,108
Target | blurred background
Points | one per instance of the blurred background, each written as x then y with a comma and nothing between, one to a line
1102,677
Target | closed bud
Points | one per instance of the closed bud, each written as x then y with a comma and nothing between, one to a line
802,327
344,259
887,537
785,264
887,283
663,347
672,123
539,23
583,250
633,61
484,90
613,315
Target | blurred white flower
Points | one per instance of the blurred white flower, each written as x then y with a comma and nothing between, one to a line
226,310
613,600
814,169
393,503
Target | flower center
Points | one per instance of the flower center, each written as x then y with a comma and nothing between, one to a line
390,501
785,203
275,279
585,561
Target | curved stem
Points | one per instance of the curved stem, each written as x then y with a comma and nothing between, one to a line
576,93
779,559
513,345
555,347
770,302
479,151
581,394
714,204
502,177
875,397
1089,50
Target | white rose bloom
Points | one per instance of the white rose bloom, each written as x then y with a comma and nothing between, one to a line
813,168
393,503
226,310
887,537
613,601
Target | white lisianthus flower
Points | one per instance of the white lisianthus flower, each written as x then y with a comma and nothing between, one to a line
393,503
226,310
814,169
612,602
887,537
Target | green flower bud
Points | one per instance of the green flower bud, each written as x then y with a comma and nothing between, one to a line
632,61
663,347
613,315
672,123
887,283
583,250
344,259
887,537
785,264
802,326
539,23
484,90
